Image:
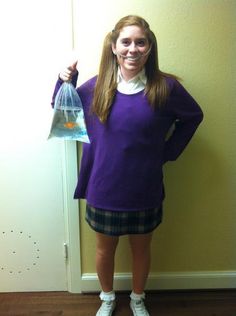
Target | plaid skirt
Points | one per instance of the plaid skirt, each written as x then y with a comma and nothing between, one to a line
117,223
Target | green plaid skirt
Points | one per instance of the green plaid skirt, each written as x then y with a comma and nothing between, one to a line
117,223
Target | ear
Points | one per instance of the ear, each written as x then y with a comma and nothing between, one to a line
113,49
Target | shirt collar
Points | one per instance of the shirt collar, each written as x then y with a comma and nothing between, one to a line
141,76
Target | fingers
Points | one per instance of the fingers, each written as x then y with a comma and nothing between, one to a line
73,66
69,72
66,74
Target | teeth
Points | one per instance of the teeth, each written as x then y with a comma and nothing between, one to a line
132,58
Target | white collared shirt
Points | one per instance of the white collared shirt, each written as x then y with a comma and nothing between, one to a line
133,85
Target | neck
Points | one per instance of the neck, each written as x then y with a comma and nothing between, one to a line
128,75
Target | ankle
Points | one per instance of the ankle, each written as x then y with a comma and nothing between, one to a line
136,297
107,296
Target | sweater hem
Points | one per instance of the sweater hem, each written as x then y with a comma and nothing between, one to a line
124,209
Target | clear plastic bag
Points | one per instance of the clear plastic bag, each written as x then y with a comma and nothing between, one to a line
68,119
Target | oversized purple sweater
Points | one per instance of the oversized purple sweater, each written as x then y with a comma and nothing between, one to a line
121,169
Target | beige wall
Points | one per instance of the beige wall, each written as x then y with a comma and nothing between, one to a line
195,42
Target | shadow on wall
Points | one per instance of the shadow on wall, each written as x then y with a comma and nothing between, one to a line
197,227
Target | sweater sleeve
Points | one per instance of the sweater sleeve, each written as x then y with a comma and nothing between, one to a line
59,84
188,115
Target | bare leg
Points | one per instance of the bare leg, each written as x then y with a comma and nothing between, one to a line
141,256
105,255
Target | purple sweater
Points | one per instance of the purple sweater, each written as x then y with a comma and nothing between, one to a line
121,169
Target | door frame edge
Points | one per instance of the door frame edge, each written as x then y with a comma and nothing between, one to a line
71,216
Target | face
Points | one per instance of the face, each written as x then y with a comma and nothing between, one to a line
131,49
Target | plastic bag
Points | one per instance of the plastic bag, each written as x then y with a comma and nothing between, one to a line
68,119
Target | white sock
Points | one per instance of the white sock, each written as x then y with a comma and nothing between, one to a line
137,297
107,296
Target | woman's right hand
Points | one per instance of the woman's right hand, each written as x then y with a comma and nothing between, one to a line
68,73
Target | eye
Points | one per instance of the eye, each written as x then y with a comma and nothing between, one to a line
141,42
125,42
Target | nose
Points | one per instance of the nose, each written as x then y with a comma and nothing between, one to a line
133,47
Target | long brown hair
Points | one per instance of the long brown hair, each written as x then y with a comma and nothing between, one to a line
156,88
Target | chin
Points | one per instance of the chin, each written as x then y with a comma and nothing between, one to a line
133,69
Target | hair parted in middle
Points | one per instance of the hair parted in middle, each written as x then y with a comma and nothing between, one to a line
156,88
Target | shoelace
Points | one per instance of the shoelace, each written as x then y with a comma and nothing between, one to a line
106,307
140,308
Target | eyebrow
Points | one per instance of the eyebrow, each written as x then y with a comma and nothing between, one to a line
140,38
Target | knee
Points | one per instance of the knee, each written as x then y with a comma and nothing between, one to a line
106,250
140,253
140,247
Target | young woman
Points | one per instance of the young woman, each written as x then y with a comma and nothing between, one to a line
130,108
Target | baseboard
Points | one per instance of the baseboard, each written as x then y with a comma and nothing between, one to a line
167,281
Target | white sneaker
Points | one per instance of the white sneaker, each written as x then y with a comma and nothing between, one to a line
138,308
107,308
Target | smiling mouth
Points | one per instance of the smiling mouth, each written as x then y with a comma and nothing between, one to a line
133,58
